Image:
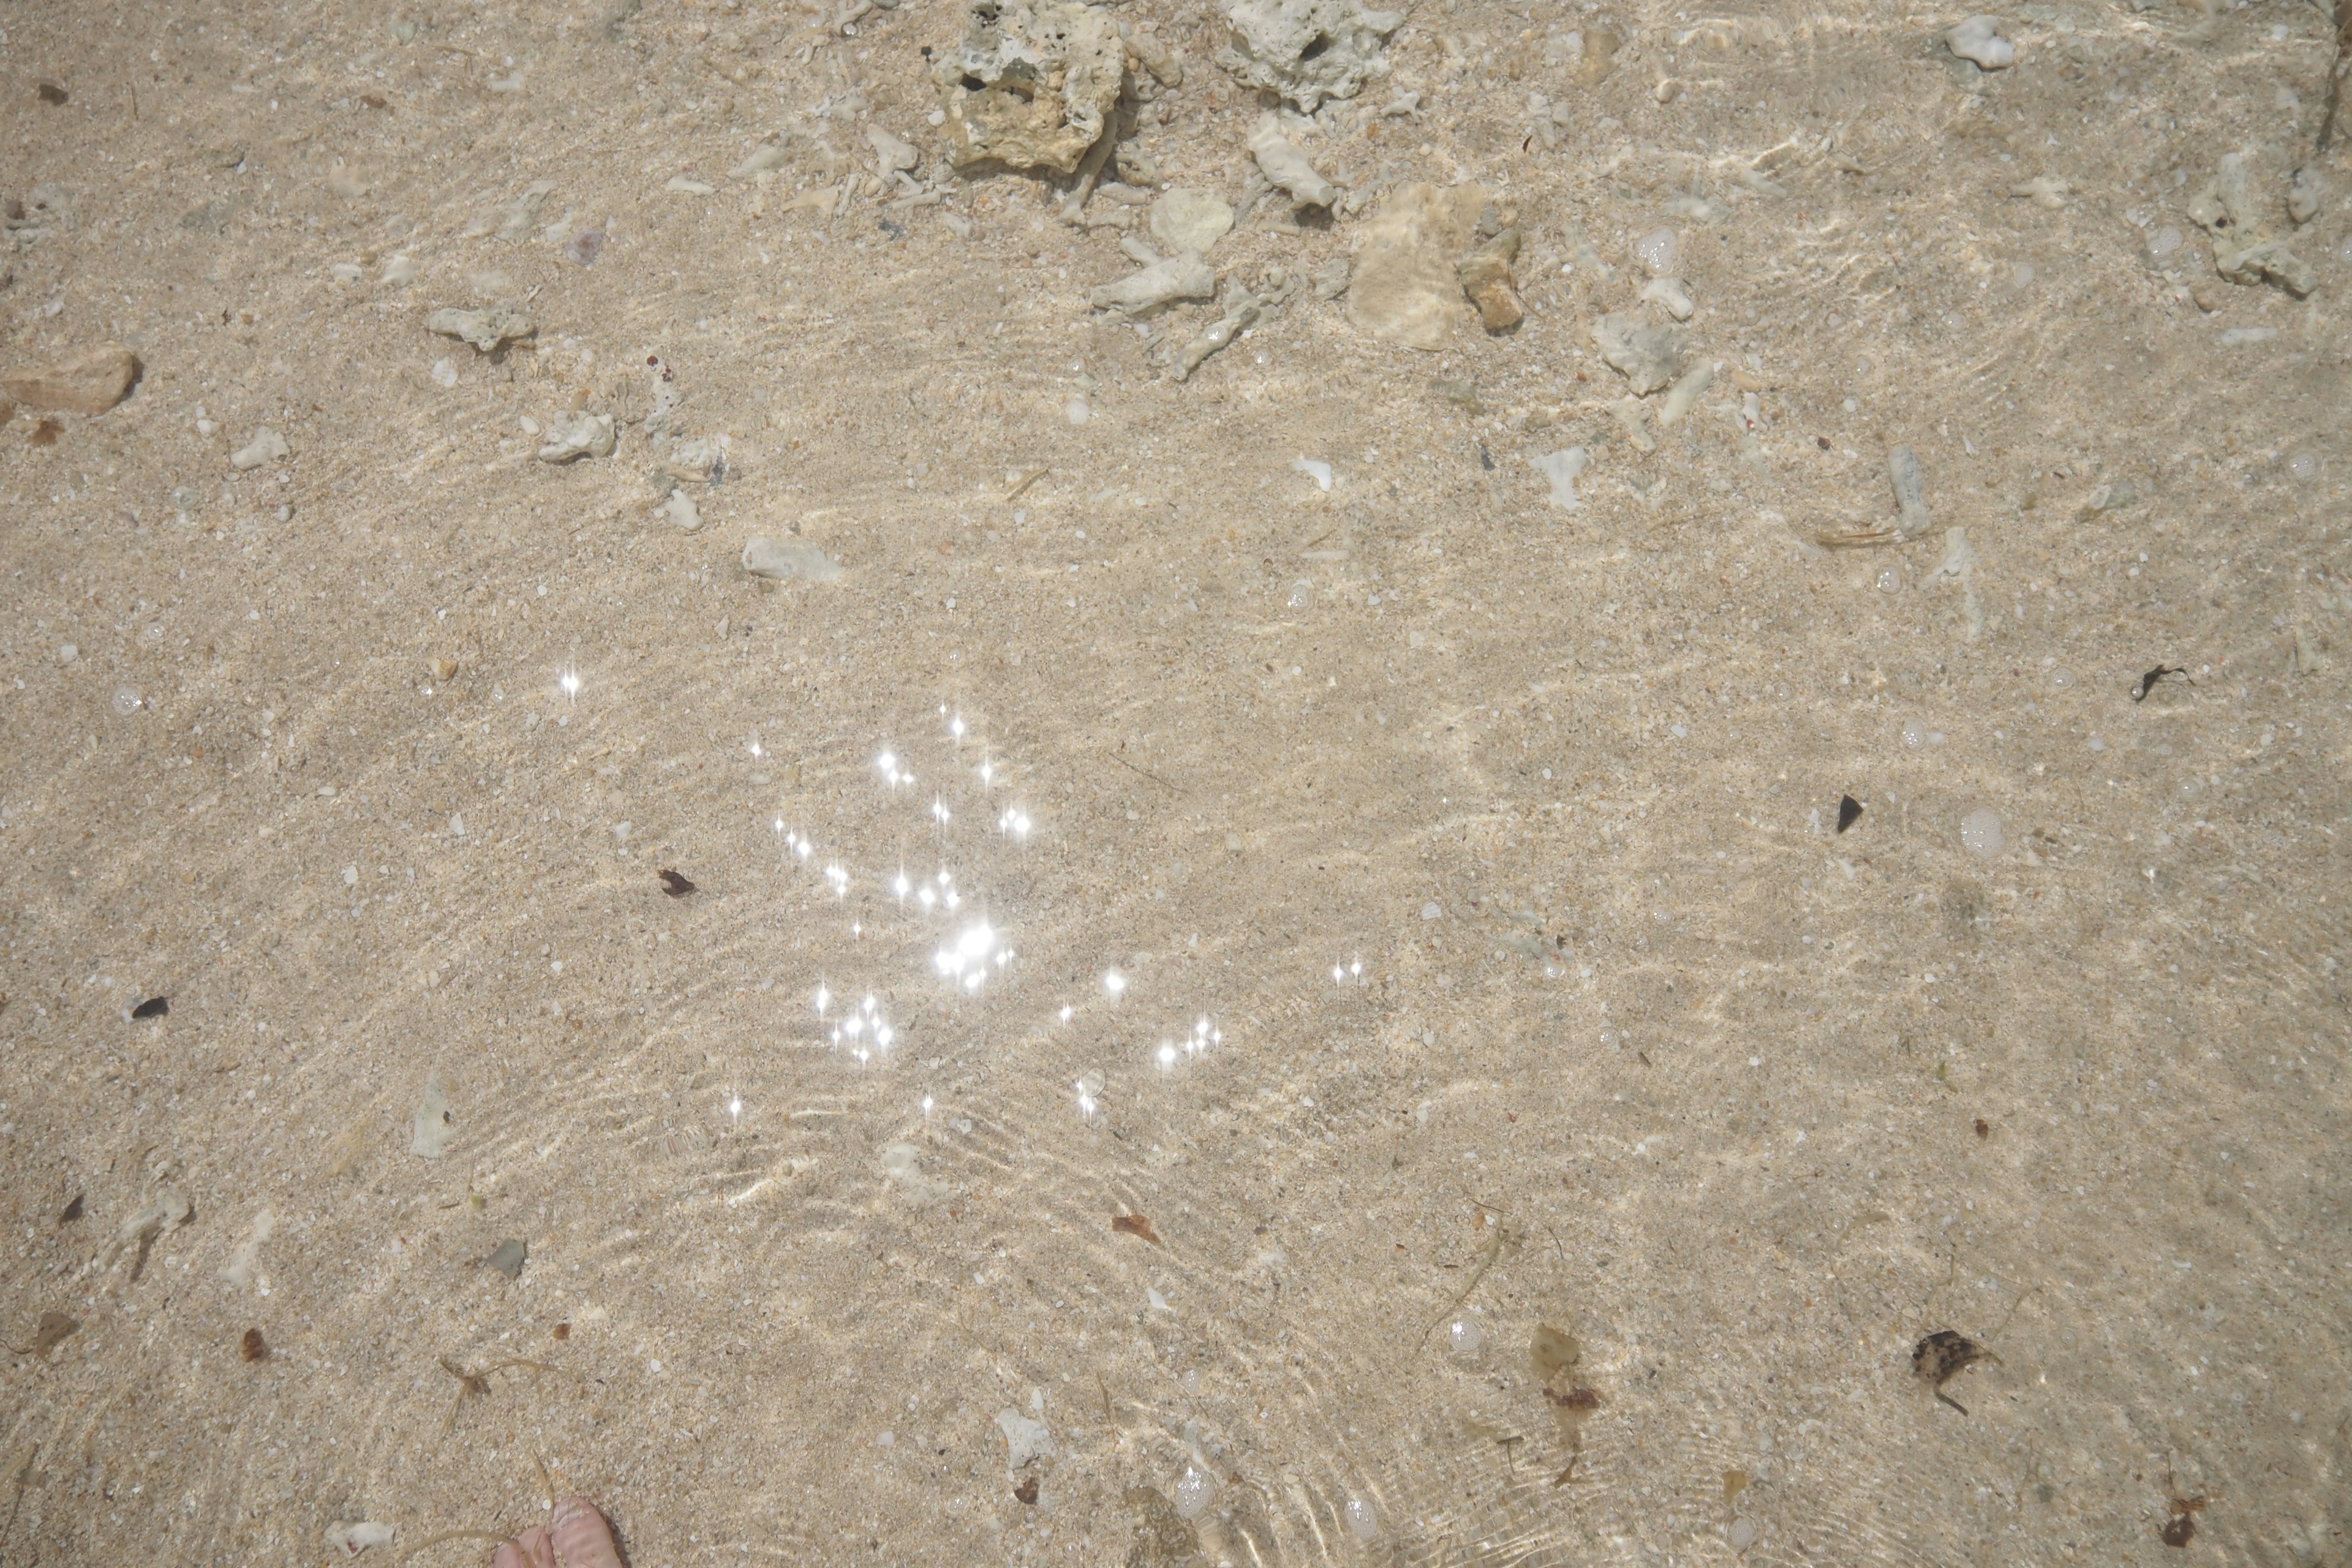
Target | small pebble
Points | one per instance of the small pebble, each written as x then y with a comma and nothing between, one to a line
1319,472
583,249
1978,39
67,653
267,447
509,1256
1076,412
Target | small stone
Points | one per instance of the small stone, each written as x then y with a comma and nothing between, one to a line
583,249
1742,1533
267,447
509,1256
1683,393
1190,221
1485,278
2305,188
432,1127
1649,358
87,382
1632,417
682,512
1031,85
1025,1441
399,272
679,185
350,1539
1288,167
1979,40
1176,278
575,435
892,153
2267,260
700,461
486,329
1331,279
786,560
67,653
1238,317
1669,294
1560,467
1307,50
1981,832
2042,190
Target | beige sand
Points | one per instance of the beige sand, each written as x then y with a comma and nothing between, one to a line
1638,1047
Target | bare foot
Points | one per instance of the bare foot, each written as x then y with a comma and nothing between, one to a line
580,1537
575,1536
528,1550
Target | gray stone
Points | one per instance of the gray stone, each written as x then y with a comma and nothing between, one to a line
1288,167
1649,358
486,329
1307,50
570,436
1175,277
1189,220
1910,497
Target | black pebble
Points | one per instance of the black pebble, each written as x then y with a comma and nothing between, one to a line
153,1007
675,886
1849,812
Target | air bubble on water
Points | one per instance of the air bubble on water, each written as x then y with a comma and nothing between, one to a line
1914,735
1464,1340
1195,1490
2303,466
1362,1518
1889,579
127,702
1302,594
1980,832
1656,250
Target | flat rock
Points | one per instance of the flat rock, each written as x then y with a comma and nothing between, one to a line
2267,261
90,381
1403,288
486,329
1031,87
267,447
570,436
1307,50
787,559
1190,221
1649,358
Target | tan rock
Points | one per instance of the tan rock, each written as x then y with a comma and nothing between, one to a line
1031,87
1404,287
1485,275
90,381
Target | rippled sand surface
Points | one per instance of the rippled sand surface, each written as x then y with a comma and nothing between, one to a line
1329,1024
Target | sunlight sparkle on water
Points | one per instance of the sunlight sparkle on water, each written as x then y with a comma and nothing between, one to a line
1014,822
570,683
823,1000
939,809
1114,982
839,881
967,959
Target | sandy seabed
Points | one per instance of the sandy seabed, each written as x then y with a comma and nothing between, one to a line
1416,910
